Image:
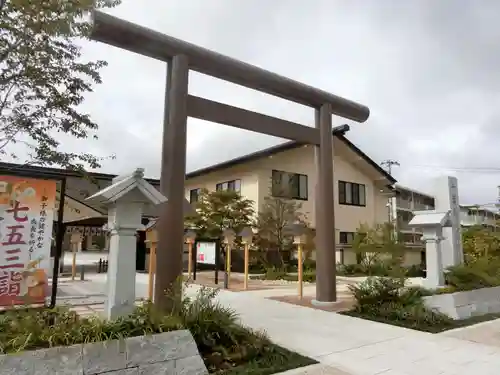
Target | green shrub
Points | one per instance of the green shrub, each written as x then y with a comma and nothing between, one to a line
411,316
256,267
350,270
445,290
385,268
309,265
225,345
375,291
415,271
481,273
274,273
388,299
308,276
25,329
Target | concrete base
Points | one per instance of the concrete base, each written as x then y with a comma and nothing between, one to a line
463,305
315,302
152,354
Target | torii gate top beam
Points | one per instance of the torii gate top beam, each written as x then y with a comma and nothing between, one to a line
135,38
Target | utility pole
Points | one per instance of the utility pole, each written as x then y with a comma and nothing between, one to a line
388,164
391,202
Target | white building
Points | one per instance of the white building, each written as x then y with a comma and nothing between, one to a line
408,200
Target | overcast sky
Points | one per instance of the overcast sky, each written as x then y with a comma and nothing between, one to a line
427,69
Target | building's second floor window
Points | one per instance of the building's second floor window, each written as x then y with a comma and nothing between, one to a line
352,194
346,238
194,195
289,185
233,185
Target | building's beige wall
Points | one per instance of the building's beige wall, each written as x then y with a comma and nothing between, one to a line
412,257
244,172
301,160
256,175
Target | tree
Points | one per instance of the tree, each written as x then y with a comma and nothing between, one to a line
43,79
274,217
378,243
219,210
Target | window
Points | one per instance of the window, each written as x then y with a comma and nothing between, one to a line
194,195
352,194
233,185
346,238
289,185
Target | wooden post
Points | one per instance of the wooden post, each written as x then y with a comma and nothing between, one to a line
152,270
190,258
245,284
73,264
299,269
228,259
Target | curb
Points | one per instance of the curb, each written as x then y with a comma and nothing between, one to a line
477,325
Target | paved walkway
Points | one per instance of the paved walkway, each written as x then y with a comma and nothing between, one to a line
360,347
485,333
350,346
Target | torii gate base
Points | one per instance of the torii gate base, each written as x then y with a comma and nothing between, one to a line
181,57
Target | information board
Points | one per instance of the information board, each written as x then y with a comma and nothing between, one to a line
26,219
206,252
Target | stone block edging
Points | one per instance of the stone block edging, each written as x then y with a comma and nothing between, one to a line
167,353
463,305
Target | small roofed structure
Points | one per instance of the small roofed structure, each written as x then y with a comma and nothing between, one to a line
430,218
432,224
125,199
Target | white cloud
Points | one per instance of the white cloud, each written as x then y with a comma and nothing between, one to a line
427,70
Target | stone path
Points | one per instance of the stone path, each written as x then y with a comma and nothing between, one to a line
485,333
360,347
318,369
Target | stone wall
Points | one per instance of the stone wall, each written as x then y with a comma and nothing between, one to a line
171,353
463,305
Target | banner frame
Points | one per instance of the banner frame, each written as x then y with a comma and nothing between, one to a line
60,227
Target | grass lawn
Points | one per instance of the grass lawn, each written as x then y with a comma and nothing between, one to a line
425,327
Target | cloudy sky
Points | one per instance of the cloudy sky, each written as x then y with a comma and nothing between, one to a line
427,69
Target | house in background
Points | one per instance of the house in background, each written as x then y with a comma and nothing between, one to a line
362,188
473,214
408,200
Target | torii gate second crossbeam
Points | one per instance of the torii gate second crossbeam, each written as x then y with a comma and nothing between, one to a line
182,57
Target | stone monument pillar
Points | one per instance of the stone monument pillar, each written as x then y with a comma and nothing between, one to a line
446,199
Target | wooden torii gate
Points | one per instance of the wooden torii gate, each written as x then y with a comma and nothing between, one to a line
181,57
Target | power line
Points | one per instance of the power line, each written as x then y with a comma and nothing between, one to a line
485,170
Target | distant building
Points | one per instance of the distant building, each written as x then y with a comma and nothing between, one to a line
474,214
408,200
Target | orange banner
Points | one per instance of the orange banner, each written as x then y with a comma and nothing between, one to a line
27,209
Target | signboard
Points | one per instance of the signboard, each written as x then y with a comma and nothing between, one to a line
26,219
205,252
